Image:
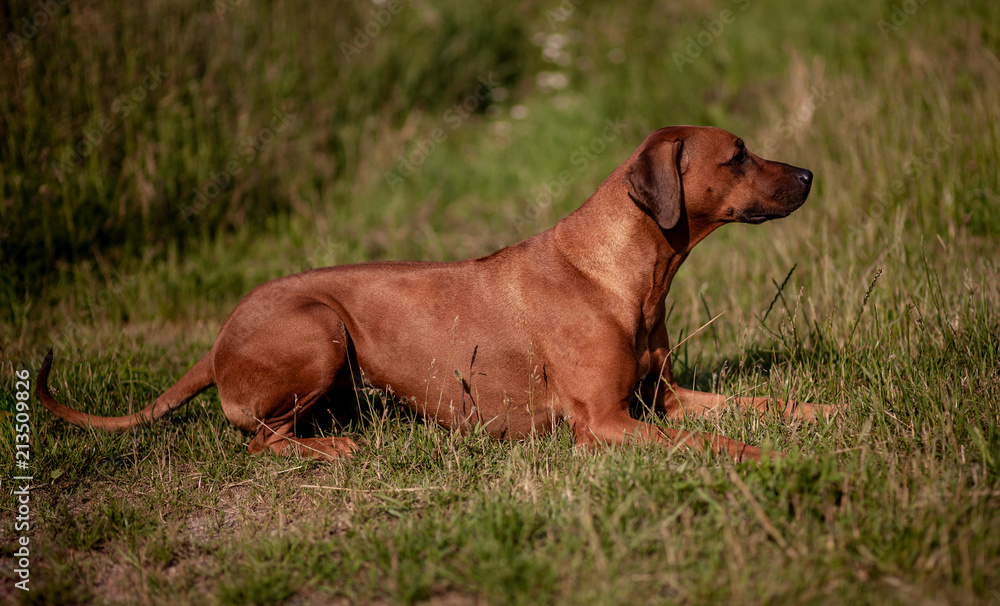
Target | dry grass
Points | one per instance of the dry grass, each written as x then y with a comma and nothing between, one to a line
894,501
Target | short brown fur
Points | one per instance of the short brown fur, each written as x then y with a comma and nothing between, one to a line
561,327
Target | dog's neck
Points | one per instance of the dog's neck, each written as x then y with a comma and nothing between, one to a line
626,252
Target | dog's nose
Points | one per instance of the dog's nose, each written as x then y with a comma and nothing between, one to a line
805,176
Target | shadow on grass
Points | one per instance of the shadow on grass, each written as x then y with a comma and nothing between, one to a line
752,362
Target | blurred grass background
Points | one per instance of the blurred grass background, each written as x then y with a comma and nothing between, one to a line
159,160
101,168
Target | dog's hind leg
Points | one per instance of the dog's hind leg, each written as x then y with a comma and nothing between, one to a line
271,370
280,440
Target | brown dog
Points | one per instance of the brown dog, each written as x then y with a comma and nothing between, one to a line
559,327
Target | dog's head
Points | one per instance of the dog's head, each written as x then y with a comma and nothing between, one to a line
709,177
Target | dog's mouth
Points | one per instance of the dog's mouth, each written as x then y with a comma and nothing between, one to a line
755,219
790,194
760,212
756,216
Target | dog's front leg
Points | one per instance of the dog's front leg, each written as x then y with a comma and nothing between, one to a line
668,398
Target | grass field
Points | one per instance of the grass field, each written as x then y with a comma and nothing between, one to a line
157,161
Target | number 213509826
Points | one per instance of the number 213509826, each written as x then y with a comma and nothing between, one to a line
22,418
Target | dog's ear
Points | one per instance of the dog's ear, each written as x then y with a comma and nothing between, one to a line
654,181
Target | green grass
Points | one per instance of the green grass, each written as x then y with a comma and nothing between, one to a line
880,295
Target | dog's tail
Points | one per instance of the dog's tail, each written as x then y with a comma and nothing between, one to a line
194,381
